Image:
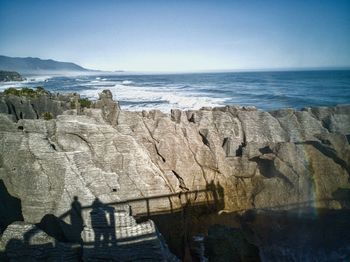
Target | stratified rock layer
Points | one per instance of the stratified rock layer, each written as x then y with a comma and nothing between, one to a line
36,105
26,242
278,160
261,159
123,239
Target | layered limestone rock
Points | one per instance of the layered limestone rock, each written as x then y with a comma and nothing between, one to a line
36,104
111,234
26,242
119,155
278,160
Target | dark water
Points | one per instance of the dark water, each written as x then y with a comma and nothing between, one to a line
265,90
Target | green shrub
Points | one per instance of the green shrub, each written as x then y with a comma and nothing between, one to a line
12,91
73,105
41,90
47,116
25,91
85,102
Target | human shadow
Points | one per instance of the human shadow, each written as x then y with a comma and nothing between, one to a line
76,219
10,208
75,236
217,193
58,228
103,224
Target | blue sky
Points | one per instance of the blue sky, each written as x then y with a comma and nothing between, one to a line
179,35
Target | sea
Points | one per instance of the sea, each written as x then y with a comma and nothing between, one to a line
264,90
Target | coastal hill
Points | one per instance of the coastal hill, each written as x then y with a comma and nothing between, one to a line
28,65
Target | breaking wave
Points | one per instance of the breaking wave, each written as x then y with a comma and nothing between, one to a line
127,82
136,98
265,90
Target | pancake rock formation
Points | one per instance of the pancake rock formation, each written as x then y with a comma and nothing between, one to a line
236,158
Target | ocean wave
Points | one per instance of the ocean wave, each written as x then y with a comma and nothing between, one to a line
97,85
34,79
140,98
145,92
6,85
30,81
127,82
41,78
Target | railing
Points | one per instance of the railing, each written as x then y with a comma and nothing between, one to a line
212,197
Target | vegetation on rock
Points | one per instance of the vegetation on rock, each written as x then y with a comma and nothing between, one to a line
85,102
7,76
25,91
47,116
73,105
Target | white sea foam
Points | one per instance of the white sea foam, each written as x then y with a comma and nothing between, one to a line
6,85
133,97
127,82
38,78
147,98
29,81
98,84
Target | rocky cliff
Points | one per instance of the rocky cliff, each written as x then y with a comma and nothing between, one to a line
6,76
233,158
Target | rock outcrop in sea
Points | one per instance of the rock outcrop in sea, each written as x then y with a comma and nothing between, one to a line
227,165
6,76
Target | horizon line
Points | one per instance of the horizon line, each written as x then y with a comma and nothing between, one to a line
273,69
229,70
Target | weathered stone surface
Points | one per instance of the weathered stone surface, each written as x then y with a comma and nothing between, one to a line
118,155
22,107
26,242
110,109
112,234
280,159
6,76
109,233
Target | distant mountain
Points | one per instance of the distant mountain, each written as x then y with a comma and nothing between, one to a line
27,65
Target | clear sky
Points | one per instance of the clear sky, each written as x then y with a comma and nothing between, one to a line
179,35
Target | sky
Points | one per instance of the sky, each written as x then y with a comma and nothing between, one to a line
192,35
